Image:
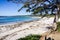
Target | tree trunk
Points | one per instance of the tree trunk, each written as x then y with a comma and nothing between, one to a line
56,18
55,21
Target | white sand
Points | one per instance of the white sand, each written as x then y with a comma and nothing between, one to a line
35,27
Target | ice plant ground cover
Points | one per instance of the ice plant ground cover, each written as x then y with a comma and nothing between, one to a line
58,26
31,37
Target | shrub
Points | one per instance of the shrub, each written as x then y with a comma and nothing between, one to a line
58,26
31,37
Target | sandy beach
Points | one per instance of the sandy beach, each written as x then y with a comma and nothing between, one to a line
18,30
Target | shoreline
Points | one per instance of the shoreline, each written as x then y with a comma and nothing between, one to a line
36,18
12,25
26,28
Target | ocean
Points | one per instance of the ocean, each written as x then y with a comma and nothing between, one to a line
9,19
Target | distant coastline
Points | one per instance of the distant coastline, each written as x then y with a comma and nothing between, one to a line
13,19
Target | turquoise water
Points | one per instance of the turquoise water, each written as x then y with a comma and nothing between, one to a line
8,19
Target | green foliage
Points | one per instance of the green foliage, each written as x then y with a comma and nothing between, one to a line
37,10
31,37
39,6
58,26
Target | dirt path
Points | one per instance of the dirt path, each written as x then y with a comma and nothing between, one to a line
55,36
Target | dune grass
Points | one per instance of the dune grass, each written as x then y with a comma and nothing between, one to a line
31,37
58,26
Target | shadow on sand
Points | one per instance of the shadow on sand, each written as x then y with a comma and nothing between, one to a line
49,38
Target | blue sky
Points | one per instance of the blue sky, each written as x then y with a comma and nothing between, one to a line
10,9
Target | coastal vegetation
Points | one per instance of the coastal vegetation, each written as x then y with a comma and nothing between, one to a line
31,37
58,26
